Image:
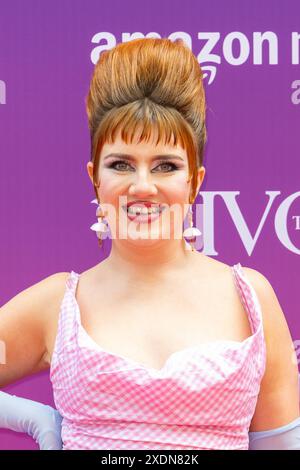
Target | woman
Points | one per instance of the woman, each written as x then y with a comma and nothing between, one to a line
158,346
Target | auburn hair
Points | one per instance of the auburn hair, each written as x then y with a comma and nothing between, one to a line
155,82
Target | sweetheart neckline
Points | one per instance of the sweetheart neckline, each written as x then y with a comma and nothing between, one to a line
97,348
206,344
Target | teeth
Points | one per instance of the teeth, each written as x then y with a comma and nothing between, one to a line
142,210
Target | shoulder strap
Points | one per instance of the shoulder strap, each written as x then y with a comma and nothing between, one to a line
67,328
248,297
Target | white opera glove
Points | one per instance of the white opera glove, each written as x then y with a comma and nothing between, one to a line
42,422
283,438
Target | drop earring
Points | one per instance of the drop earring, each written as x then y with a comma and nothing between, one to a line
99,227
191,233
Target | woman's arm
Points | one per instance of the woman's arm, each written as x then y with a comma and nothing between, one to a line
24,328
278,400
24,336
42,422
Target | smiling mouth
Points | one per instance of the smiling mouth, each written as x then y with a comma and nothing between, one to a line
143,214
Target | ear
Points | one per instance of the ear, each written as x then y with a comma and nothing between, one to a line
89,168
200,178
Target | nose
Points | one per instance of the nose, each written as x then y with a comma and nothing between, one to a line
142,184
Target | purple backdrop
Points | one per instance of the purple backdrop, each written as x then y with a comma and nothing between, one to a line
253,121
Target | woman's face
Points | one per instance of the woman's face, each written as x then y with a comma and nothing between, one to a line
144,172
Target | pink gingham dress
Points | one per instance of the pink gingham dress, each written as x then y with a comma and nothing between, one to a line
203,397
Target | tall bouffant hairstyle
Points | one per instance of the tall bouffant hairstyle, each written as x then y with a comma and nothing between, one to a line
154,82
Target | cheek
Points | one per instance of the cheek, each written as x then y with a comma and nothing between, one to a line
110,185
176,188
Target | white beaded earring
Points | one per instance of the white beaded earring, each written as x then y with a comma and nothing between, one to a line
191,233
99,227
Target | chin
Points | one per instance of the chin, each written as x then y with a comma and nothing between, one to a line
144,242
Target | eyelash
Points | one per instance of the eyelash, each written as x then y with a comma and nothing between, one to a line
174,167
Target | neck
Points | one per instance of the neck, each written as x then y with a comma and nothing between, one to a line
149,260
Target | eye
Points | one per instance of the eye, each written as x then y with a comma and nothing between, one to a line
172,166
119,162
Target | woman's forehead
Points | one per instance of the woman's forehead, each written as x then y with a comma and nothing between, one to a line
142,147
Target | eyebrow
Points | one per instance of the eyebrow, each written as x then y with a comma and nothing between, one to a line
131,158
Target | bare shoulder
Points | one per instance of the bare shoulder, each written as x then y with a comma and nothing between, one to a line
47,295
278,400
52,284
43,300
39,298
48,292
55,284
25,325
274,320
275,324
54,288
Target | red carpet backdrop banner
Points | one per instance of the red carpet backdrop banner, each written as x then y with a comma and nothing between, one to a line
249,52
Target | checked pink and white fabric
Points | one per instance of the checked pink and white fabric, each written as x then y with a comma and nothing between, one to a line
203,397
